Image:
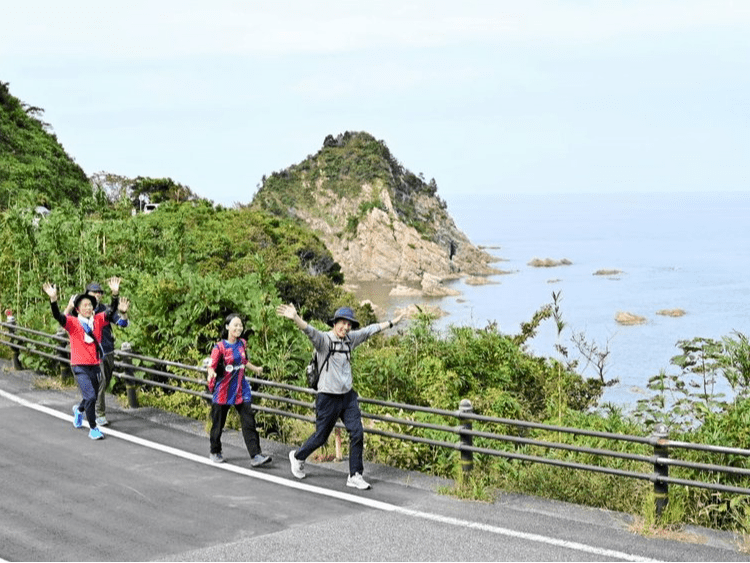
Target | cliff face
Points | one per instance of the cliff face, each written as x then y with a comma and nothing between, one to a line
379,221
384,247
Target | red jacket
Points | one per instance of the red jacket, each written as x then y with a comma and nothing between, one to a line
83,353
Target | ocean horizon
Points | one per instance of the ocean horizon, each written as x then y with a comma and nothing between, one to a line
686,251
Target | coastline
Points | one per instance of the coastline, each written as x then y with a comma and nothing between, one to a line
682,264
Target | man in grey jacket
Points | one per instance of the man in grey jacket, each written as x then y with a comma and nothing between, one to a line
336,399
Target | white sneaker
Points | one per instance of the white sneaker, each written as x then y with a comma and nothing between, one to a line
102,421
298,467
357,482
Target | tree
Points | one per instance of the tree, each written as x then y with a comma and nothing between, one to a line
160,190
113,186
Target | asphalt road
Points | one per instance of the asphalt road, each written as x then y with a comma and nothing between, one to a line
147,492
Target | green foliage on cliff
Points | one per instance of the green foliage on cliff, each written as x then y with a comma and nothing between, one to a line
34,168
342,166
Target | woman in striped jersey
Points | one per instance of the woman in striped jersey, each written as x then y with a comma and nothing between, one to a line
227,383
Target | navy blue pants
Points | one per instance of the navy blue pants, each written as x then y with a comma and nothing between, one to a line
88,378
330,408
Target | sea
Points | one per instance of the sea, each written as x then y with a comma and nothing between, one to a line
671,251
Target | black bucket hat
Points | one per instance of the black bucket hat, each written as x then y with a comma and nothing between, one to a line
344,313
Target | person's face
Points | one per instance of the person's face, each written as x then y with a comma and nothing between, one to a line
85,307
235,327
342,327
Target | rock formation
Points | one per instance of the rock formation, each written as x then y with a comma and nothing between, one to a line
671,312
548,262
625,318
379,221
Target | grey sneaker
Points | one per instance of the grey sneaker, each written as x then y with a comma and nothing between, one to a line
357,482
259,459
102,421
216,458
298,467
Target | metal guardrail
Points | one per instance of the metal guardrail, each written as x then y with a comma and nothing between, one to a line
459,437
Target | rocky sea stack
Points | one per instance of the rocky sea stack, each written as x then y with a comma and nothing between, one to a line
379,220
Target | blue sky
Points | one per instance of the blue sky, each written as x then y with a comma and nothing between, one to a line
486,97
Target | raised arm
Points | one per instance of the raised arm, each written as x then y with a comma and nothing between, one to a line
114,286
70,306
51,291
290,312
122,312
390,324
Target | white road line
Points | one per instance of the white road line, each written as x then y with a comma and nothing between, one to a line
295,484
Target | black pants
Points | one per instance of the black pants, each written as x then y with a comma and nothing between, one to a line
247,422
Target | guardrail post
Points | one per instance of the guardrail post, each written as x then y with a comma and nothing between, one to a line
338,444
661,450
130,386
467,457
16,350
65,373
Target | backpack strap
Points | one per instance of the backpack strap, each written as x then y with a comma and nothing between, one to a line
322,366
332,349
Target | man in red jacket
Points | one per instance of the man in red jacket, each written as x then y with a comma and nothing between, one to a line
85,330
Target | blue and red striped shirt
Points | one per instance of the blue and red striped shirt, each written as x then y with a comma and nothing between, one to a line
231,388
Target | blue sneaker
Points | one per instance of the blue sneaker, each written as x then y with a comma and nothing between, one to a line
77,417
95,433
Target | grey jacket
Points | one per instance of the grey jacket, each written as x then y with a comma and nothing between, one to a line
336,377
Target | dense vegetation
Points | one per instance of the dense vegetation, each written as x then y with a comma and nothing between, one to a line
185,267
190,263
